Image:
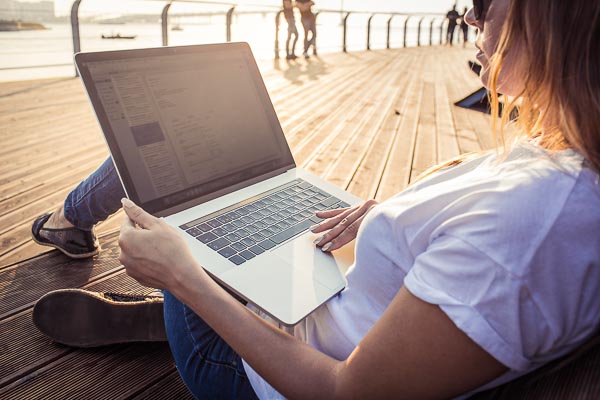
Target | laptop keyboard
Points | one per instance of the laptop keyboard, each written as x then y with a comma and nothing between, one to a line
251,227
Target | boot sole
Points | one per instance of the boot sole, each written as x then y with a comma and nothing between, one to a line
79,318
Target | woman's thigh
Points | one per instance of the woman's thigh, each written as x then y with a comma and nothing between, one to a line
210,368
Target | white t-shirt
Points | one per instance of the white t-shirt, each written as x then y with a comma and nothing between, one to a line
508,247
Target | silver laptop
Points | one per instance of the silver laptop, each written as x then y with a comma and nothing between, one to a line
196,141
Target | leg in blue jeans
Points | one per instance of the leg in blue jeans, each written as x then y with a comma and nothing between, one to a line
95,198
210,368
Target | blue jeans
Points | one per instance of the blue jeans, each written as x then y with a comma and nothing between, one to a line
95,198
209,367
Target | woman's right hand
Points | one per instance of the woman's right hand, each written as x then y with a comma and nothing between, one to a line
342,225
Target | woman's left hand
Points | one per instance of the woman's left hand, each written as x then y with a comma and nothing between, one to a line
153,252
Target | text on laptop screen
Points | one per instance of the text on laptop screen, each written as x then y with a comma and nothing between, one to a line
188,124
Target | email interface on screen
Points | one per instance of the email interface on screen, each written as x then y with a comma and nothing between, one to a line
187,124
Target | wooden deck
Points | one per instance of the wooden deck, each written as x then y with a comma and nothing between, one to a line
369,122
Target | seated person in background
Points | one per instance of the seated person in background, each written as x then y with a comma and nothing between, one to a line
482,271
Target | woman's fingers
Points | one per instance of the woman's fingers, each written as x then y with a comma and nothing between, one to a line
343,227
347,235
333,218
137,214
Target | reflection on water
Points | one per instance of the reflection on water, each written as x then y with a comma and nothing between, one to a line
53,48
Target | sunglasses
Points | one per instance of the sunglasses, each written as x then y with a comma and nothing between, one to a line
479,9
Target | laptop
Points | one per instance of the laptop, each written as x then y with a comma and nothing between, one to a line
196,141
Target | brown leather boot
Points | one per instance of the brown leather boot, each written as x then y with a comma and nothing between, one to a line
82,318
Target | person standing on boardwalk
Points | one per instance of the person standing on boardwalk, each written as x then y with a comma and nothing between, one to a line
464,27
309,23
288,13
452,17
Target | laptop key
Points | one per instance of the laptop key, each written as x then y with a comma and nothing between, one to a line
315,219
242,232
304,184
237,260
260,224
207,237
247,219
194,232
219,232
242,211
227,252
204,227
248,241
268,221
257,250
267,244
247,254
257,237
214,223
292,231
230,228
224,219
232,237
239,246
239,223
218,244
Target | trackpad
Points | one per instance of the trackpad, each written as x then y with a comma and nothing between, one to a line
323,267
290,282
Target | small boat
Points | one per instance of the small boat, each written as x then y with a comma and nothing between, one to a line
118,36
177,28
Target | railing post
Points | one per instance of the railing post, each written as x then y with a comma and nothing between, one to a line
431,32
228,22
75,29
389,29
277,21
369,32
441,32
315,38
345,28
405,29
419,32
164,21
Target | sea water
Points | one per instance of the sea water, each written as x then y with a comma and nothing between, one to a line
49,53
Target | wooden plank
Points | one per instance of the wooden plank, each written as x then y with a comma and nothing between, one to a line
425,147
112,372
18,360
396,173
24,283
170,387
367,178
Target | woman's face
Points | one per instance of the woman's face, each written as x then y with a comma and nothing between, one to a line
490,30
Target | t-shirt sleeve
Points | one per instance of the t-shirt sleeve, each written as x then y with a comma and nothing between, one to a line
482,298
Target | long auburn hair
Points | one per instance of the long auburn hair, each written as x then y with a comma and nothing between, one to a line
561,67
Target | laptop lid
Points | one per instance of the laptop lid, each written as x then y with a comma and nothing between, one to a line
185,124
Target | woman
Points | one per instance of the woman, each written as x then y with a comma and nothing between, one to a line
478,273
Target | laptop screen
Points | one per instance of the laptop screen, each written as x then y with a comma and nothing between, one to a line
184,122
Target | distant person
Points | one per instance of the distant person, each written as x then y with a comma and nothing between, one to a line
288,13
464,27
309,23
452,17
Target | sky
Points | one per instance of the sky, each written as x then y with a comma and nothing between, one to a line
62,7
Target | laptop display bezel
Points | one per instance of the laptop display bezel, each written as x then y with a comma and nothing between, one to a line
159,206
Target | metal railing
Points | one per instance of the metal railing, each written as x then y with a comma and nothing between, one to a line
231,9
